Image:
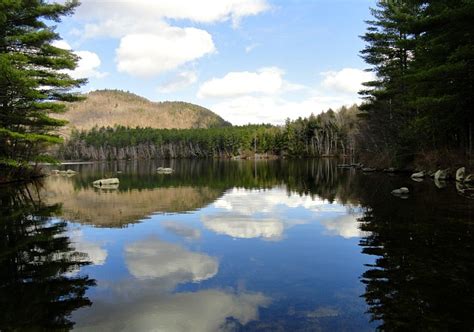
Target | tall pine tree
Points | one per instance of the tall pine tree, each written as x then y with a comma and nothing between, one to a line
33,82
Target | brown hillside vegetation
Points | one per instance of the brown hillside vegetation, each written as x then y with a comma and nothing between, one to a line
114,208
107,108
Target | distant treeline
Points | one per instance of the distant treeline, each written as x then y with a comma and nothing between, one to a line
327,134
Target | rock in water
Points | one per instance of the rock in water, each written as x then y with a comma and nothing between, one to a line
103,182
441,174
418,175
164,170
460,174
400,191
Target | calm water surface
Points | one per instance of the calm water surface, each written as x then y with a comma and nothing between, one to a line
235,246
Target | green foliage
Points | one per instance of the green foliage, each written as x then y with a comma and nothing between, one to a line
327,134
32,83
422,54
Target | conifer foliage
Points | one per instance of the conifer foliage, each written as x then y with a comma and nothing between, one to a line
34,80
422,53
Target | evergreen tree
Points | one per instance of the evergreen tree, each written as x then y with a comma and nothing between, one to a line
390,51
33,81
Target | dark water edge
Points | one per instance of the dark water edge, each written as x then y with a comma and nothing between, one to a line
407,265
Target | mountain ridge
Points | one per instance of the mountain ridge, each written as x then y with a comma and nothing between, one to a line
109,108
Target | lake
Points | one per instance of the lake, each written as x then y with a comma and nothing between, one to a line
235,246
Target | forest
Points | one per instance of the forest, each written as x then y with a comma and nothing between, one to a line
417,111
328,134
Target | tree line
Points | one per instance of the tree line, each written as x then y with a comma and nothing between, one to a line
327,134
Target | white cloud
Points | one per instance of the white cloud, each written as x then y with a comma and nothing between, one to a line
347,80
234,84
88,64
346,226
262,96
259,214
275,109
147,310
150,54
244,227
95,253
153,258
145,11
179,82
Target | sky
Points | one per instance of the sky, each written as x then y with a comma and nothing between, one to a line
250,61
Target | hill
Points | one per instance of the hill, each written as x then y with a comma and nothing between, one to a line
104,108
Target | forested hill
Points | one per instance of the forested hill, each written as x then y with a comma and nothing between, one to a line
108,108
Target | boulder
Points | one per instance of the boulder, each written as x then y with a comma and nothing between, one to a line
106,186
102,182
70,171
401,191
390,170
418,175
469,178
460,174
441,174
164,170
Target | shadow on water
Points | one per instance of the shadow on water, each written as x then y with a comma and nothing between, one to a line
39,284
423,276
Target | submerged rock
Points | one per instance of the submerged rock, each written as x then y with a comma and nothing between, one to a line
403,191
106,182
460,174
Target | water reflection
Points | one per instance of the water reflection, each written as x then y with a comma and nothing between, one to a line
38,287
147,302
423,276
271,245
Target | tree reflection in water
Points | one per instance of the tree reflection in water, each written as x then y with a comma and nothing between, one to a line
423,276
39,286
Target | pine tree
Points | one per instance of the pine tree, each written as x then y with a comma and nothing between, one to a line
33,82
442,78
390,51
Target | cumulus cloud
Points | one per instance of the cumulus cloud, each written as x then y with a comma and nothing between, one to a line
179,82
148,54
153,258
346,226
260,214
275,109
88,64
264,81
147,301
144,11
347,80
147,310
244,227
261,96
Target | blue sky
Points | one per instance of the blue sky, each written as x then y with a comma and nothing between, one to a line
250,61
